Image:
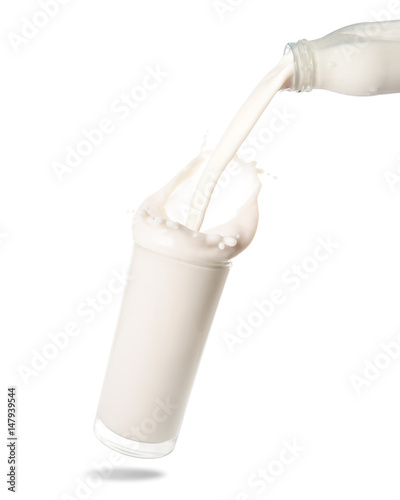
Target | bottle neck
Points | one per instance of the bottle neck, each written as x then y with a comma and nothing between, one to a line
303,75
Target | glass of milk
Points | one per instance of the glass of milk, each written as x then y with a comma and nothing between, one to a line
167,310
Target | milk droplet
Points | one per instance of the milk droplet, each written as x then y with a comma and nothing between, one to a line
230,241
221,246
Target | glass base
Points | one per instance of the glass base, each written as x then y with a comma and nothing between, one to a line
130,447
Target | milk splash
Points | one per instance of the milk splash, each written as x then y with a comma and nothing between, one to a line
156,229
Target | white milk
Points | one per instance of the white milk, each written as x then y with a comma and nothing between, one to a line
245,119
167,311
178,272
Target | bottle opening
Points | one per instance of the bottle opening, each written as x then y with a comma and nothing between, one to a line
303,74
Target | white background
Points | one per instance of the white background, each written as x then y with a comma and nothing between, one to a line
60,242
